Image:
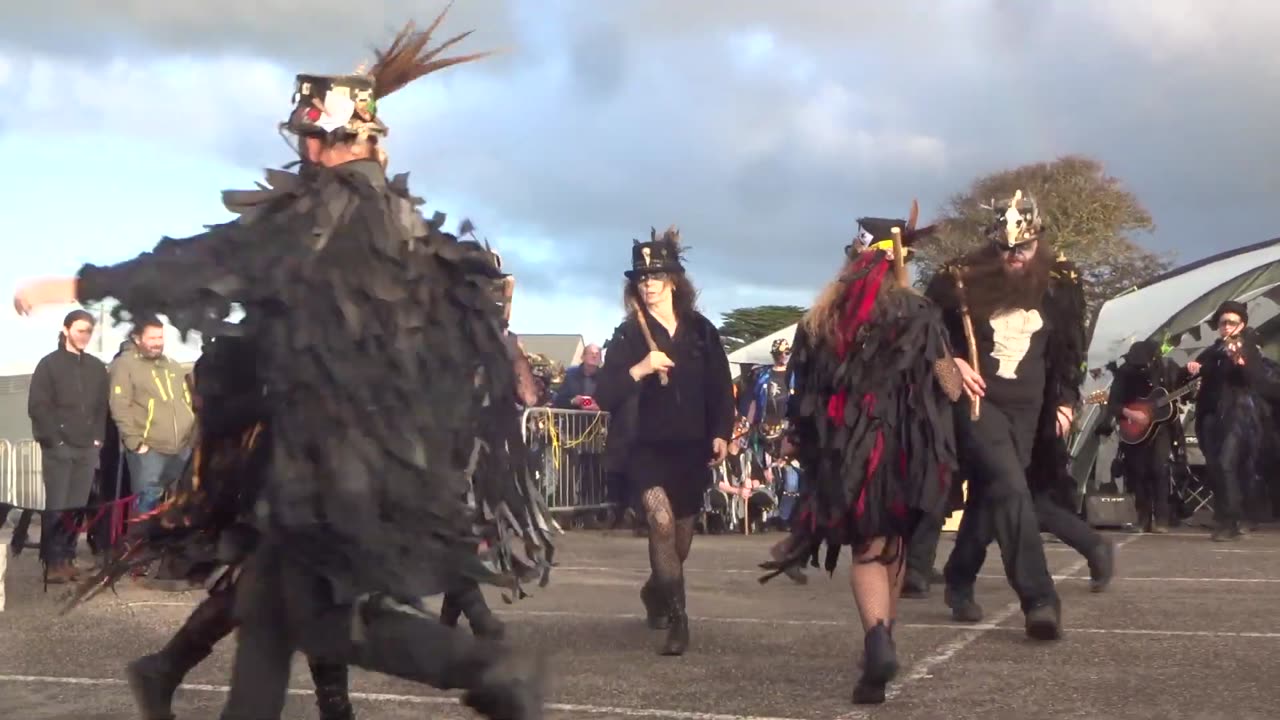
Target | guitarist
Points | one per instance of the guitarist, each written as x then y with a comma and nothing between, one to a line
1146,464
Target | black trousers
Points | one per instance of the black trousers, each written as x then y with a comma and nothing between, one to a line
68,477
1067,526
1230,442
922,547
995,451
1146,472
284,608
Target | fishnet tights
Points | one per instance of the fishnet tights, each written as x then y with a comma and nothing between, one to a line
876,580
669,539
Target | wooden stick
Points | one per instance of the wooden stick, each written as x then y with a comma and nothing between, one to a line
648,334
899,260
975,402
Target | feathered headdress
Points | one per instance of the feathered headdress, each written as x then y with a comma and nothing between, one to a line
348,104
661,254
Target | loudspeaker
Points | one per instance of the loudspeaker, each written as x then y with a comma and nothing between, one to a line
1110,510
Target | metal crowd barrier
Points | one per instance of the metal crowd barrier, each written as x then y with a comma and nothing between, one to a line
20,479
567,447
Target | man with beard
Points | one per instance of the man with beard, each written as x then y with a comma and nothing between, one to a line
1024,329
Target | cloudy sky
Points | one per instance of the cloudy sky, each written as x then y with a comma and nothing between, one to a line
761,128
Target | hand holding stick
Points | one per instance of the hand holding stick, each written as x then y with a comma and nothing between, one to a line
975,402
648,334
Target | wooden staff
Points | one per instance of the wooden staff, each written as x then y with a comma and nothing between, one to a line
899,260
975,402
638,309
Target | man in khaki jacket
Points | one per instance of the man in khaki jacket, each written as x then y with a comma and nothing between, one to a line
151,406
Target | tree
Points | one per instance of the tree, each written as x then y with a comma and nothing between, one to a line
746,325
1088,215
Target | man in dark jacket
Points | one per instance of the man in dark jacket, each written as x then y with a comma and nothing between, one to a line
68,408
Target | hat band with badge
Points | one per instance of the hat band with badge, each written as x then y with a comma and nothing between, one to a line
660,255
346,106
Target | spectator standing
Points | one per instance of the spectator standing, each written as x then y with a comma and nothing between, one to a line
151,406
68,409
578,390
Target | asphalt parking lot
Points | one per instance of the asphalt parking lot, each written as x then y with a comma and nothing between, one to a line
1190,629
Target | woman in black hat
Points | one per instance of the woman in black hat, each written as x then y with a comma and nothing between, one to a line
669,357
871,422
1229,414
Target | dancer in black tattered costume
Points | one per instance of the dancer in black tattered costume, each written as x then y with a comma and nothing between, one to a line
871,424
377,343
684,417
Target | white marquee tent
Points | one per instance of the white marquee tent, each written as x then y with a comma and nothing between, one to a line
1174,309
757,353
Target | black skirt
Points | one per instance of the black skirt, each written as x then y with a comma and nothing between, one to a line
681,470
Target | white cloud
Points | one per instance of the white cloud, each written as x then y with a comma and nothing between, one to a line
762,130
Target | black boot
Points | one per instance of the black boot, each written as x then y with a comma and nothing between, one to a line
483,622
1102,565
512,688
963,607
678,631
154,678
332,698
450,610
915,585
469,601
879,666
1044,621
657,614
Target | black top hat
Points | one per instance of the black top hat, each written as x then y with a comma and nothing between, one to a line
878,230
658,255
1230,306
324,104
1142,352
348,104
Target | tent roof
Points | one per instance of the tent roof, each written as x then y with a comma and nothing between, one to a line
1182,299
757,353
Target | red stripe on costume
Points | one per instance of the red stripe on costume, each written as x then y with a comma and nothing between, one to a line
835,405
873,462
860,298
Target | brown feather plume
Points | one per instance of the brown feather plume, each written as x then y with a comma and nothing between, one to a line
408,57
671,234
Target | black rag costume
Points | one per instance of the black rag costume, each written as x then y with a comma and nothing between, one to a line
872,429
670,449
1230,418
380,356
870,418
1146,463
1031,356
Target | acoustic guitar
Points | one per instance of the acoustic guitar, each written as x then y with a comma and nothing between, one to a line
1145,413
